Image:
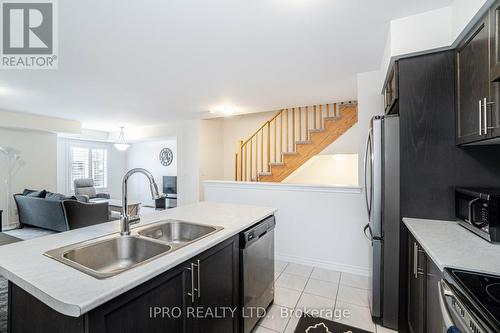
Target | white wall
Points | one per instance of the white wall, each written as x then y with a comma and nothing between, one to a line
186,134
346,144
38,152
370,103
425,31
416,33
319,226
333,170
146,155
429,30
462,12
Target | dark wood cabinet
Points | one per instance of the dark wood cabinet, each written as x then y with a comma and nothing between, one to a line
391,91
473,84
416,287
424,314
478,82
135,310
493,130
216,278
495,42
433,316
188,298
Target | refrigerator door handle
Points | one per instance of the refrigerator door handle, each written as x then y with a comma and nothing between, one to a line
368,200
369,237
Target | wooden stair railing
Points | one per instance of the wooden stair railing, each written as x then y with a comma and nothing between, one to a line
279,136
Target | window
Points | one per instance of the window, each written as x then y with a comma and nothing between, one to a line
90,163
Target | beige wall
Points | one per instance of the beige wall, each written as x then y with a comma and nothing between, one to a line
38,151
239,128
211,151
26,121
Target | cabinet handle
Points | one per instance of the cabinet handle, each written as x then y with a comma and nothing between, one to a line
191,294
416,270
485,112
385,98
485,102
480,119
415,260
199,279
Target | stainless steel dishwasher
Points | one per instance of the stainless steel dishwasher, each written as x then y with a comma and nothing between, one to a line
257,273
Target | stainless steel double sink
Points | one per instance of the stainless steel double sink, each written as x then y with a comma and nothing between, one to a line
113,254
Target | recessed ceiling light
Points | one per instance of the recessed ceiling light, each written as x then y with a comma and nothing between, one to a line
225,110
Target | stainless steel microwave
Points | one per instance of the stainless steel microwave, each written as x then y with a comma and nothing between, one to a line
478,210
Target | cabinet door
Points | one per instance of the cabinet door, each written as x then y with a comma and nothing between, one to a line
416,288
434,319
218,271
391,91
473,83
134,311
494,110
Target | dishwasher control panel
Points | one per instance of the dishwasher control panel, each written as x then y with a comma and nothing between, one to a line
257,231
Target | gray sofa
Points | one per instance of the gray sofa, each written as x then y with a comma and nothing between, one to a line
59,213
84,187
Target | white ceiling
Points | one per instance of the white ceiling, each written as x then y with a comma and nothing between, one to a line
147,62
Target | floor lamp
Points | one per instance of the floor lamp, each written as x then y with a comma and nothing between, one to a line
14,164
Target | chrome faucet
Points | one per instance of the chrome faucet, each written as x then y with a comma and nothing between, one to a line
126,220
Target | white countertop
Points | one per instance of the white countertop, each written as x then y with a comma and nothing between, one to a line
74,293
450,245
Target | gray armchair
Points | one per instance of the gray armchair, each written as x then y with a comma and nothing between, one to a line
84,187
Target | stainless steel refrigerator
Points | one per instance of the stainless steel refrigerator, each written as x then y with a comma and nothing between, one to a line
382,165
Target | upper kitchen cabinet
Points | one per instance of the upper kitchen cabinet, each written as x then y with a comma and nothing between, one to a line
495,42
494,122
391,93
473,84
478,82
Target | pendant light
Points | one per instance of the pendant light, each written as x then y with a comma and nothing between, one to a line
121,145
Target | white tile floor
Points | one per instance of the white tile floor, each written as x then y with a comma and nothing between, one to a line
306,288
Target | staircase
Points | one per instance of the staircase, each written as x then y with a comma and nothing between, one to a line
290,138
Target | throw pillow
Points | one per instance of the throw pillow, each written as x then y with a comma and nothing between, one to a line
26,191
37,194
59,196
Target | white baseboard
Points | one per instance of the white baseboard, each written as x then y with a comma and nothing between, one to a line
325,264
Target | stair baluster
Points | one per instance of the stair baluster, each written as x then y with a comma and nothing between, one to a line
307,123
253,160
300,128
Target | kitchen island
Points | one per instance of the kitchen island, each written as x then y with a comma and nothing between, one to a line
65,299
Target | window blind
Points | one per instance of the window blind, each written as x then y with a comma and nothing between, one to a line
99,166
89,162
